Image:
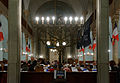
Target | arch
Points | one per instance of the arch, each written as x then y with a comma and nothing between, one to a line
48,9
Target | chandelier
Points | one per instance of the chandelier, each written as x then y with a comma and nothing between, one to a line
59,25
59,20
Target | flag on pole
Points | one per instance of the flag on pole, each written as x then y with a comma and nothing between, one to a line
1,33
82,50
94,44
115,35
27,48
90,47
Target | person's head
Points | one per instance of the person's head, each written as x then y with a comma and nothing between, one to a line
32,58
119,63
112,63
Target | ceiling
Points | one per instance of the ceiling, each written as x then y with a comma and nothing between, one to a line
63,7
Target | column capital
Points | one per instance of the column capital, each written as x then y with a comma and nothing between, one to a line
115,17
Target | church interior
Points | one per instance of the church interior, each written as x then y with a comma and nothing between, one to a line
59,41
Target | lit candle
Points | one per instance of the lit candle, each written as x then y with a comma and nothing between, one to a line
53,18
65,19
81,20
70,18
37,19
43,20
48,19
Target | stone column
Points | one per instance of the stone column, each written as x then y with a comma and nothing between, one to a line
102,25
42,49
32,44
115,18
14,45
36,44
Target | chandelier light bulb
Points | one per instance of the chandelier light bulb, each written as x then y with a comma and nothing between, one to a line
37,18
42,20
65,19
48,42
48,19
64,43
57,44
76,18
81,20
53,18
70,18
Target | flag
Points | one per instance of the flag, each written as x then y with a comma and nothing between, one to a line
86,35
1,33
79,39
82,50
90,47
115,35
94,44
27,48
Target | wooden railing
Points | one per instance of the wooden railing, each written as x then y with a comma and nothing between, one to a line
47,77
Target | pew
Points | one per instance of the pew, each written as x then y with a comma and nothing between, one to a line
48,77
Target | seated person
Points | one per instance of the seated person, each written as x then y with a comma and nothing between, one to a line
51,69
39,68
24,66
66,68
113,66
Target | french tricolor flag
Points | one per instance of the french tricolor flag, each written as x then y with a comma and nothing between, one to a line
1,33
94,44
115,35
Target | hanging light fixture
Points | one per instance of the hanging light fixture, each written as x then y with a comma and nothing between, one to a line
42,20
57,44
64,43
65,19
48,19
70,18
37,19
76,20
53,18
48,43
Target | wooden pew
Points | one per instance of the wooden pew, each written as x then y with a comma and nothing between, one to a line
47,77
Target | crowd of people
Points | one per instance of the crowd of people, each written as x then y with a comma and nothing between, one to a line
41,65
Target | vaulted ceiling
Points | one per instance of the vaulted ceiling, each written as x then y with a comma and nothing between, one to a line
63,7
